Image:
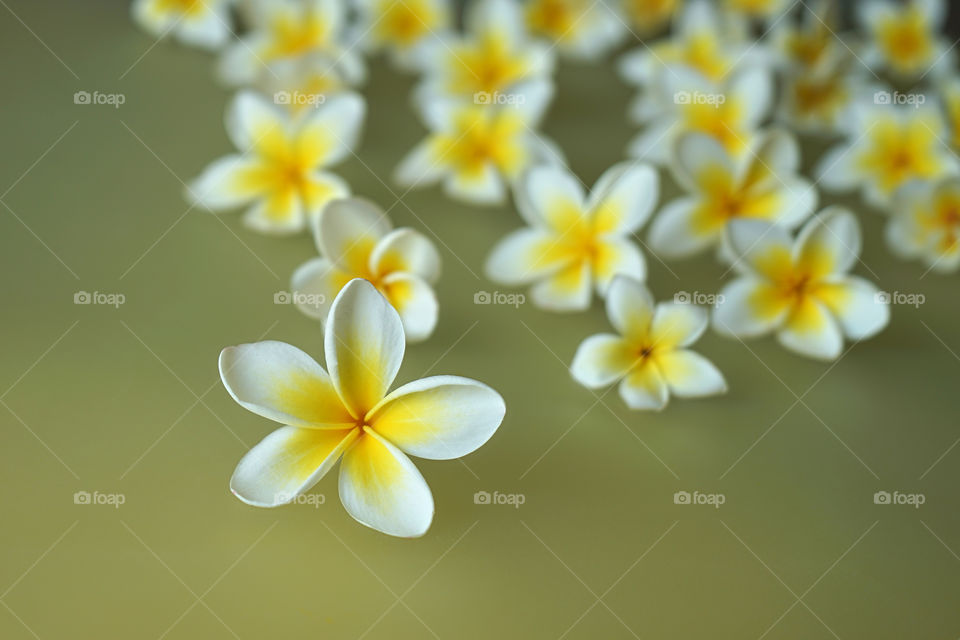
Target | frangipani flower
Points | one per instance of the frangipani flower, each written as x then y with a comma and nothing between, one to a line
347,414
203,23
647,17
584,29
888,147
904,37
574,244
280,165
730,112
355,240
477,150
490,60
403,27
817,101
925,224
812,43
286,29
800,288
763,184
650,353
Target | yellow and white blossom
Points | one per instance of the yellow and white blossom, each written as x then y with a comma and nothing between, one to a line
347,415
925,224
201,23
762,184
800,289
584,29
903,37
356,240
649,353
489,61
730,111
887,147
404,28
289,29
280,167
648,17
478,150
574,243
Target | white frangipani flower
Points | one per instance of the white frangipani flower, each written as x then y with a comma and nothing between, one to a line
478,150
355,240
650,353
887,147
202,23
730,111
904,37
575,244
494,56
289,29
281,161
348,414
762,184
404,28
925,224
800,289
584,29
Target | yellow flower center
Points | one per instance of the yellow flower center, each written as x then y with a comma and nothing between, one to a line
898,152
554,18
404,22
186,7
905,39
489,66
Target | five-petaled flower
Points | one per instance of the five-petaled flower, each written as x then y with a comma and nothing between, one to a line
574,244
903,37
348,414
763,184
925,223
800,288
650,353
281,161
203,23
355,240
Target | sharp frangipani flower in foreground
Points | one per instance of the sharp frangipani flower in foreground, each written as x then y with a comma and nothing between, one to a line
887,147
584,29
355,240
925,224
730,111
202,23
348,414
477,151
903,37
575,244
650,353
287,29
493,56
800,289
404,28
760,184
280,167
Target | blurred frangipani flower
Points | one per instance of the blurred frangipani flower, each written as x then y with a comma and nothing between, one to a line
348,415
582,29
575,244
404,28
355,240
281,161
903,38
202,23
925,224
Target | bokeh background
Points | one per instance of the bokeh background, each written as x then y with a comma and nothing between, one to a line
127,401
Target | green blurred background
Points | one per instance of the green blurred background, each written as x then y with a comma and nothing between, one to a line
127,401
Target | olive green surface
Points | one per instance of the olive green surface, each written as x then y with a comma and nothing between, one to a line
128,401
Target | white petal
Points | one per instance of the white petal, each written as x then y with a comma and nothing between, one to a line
225,183
484,187
347,232
674,232
801,199
837,171
421,167
210,30
364,344
280,213
644,388
677,325
617,256
315,284
857,305
690,375
630,307
382,489
624,197
547,195
830,243
524,256
282,383
408,251
810,330
253,122
287,463
698,154
439,418
330,132
601,360
753,87
757,244
416,303
567,290
748,307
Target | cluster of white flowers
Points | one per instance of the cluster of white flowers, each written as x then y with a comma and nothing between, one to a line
723,89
